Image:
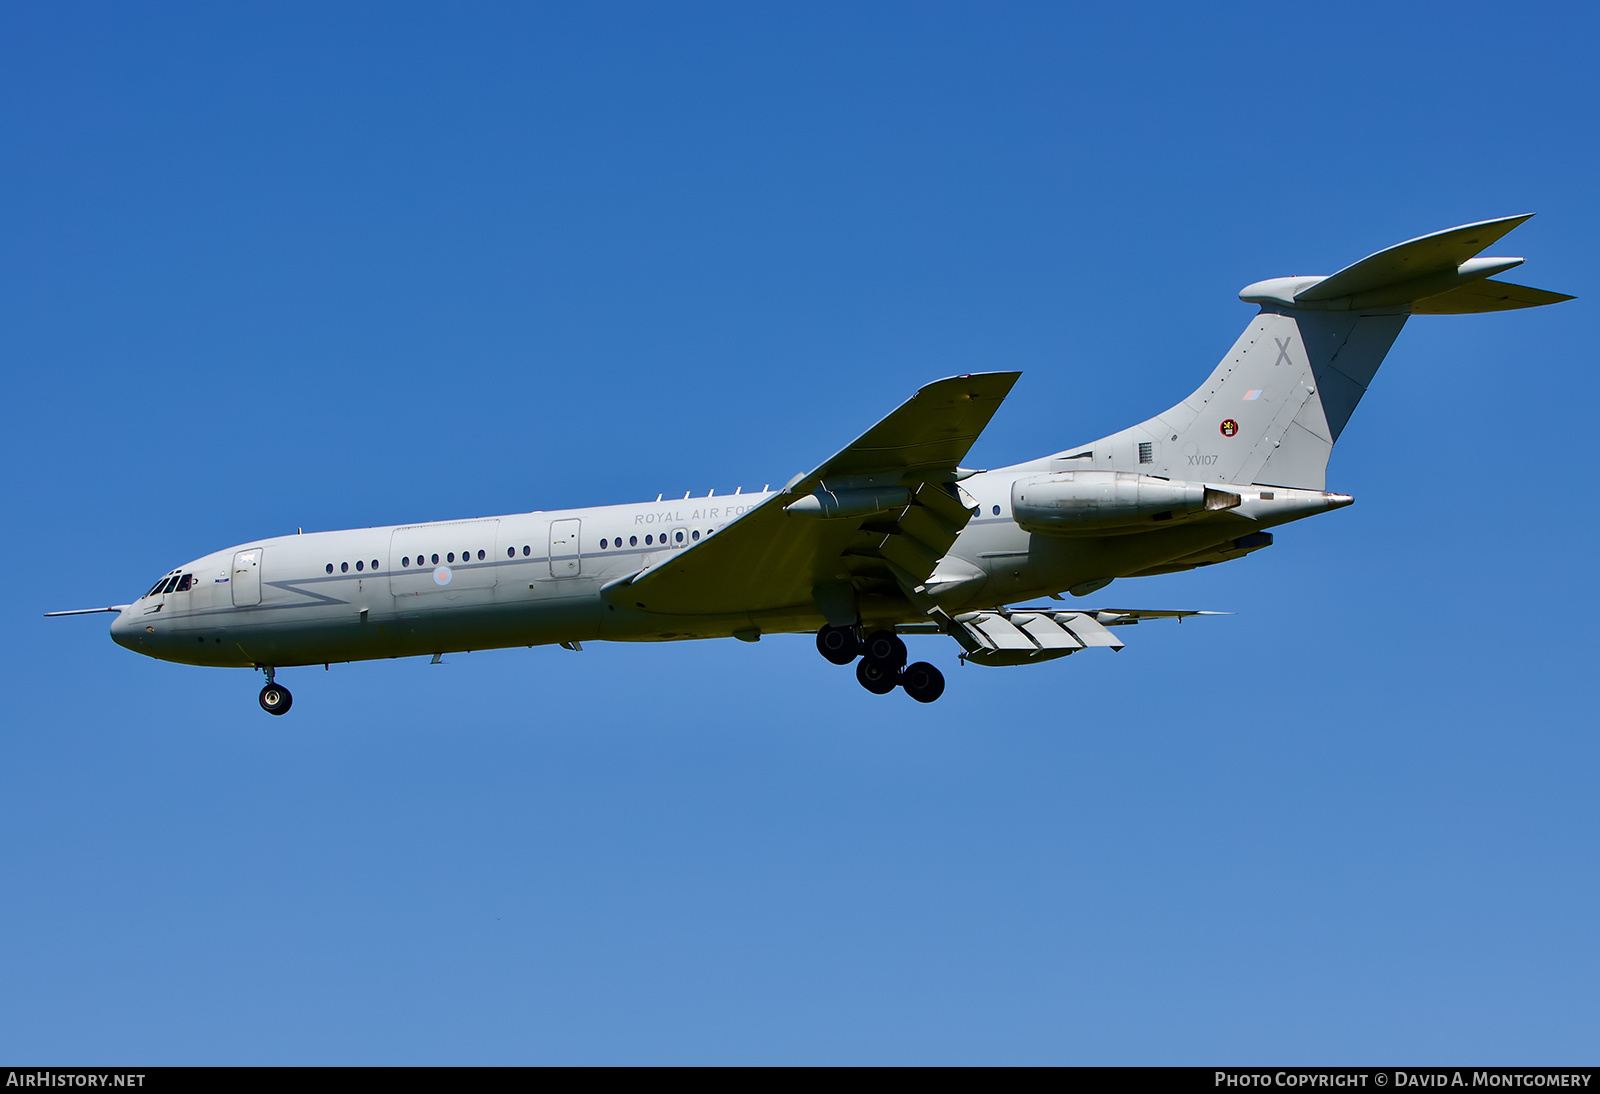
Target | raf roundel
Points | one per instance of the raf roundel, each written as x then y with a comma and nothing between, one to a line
1229,427
441,576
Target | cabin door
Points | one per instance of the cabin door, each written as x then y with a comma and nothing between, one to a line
246,579
565,547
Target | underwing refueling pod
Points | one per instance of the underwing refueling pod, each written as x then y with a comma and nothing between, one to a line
889,537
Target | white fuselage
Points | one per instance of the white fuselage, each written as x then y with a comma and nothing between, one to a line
535,578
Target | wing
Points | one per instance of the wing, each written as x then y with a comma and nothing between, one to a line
880,513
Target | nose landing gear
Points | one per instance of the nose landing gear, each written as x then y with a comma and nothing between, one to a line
275,698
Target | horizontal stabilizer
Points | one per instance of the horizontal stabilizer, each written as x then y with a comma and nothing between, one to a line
1486,296
1426,269
1439,252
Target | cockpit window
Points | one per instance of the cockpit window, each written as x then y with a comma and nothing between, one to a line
172,583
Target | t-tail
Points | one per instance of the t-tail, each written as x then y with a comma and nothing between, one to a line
1271,411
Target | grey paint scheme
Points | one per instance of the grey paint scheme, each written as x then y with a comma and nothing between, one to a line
1261,428
307,616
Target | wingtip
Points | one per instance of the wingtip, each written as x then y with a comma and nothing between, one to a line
1514,220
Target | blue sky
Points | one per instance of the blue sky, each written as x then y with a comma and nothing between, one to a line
281,266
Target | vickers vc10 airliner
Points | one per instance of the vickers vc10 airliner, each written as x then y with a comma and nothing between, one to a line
891,536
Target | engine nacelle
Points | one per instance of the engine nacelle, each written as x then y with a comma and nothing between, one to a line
1110,502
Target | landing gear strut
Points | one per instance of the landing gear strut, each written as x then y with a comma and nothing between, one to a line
275,698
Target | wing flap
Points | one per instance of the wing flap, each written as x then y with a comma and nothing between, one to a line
908,553
1045,631
1086,629
1002,634
922,523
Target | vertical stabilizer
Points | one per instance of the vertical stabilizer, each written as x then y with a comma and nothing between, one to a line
1272,409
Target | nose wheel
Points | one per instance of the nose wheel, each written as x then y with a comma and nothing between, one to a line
275,699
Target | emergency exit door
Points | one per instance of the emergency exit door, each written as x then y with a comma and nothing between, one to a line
566,559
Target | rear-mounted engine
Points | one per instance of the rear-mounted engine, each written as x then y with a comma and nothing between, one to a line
1110,502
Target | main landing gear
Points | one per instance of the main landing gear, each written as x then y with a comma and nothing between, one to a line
882,667
275,698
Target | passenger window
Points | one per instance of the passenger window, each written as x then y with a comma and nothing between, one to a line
451,557
680,537
406,561
633,541
648,540
694,535
330,567
997,510
526,548
374,565
511,552
602,545
436,560
360,565
344,567
480,556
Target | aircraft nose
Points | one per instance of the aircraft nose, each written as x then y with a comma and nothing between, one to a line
123,630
